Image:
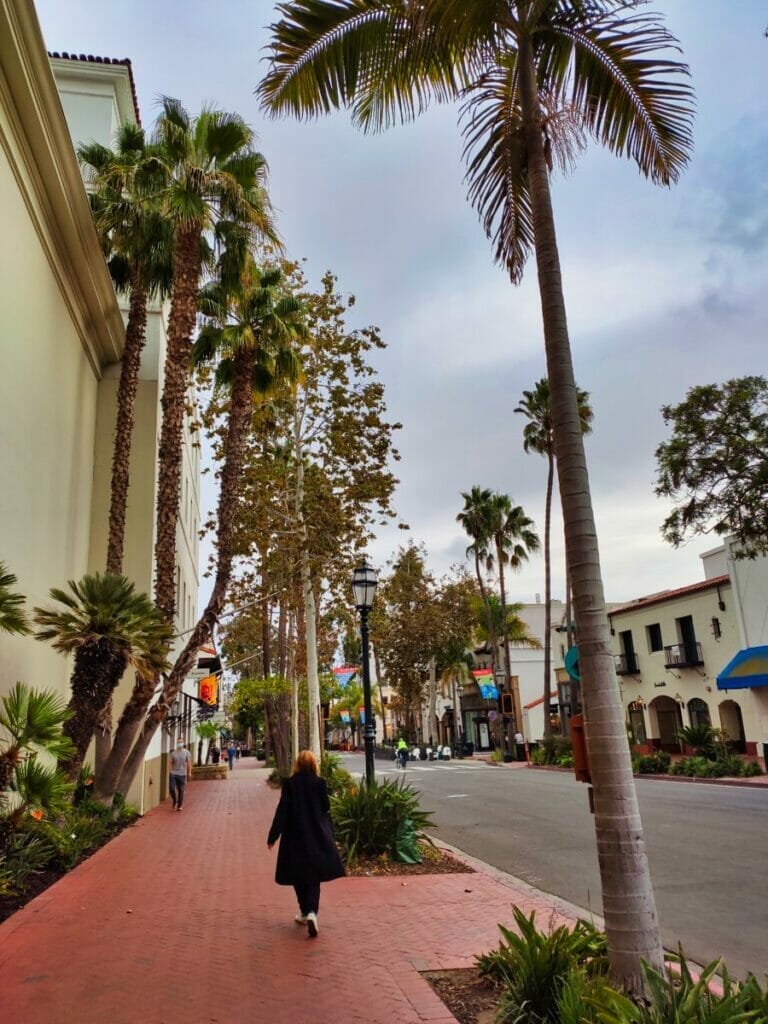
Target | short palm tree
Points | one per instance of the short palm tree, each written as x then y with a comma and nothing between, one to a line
475,519
12,617
108,626
539,437
32,721
138,243
213,180
609,65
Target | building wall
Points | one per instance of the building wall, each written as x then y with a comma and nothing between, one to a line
59,326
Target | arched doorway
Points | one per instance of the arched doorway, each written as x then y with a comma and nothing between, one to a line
732,725
698,711
669,722
637,727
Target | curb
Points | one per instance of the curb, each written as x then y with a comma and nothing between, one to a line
744,783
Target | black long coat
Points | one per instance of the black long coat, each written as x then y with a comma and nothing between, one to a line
302,822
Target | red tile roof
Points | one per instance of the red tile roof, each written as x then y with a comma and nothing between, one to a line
670,595
90,59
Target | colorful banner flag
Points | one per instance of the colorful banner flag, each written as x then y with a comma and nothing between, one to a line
208,690
345,673
486,685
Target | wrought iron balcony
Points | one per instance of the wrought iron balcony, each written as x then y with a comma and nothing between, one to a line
626,664
683,655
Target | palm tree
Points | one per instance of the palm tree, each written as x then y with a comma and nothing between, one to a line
475,519
538,436
514,539
607,65
108,626
12,617
138,242
455,674
213,180
32,721
517,630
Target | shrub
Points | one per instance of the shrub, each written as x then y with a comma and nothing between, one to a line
336,778
553,747
652,764
565,760
538,756
751,768
534,967
497,756
368,819
25,855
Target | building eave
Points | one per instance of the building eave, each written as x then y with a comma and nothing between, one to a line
37,143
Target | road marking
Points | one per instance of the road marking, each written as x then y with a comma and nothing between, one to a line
456,796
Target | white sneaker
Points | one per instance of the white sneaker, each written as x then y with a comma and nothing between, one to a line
300,919
312,927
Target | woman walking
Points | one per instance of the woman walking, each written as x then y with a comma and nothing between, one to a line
308,853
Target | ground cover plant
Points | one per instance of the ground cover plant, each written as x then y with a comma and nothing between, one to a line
378,818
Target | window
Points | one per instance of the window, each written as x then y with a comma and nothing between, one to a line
655,643
716,630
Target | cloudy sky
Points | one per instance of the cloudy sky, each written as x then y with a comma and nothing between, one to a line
665,288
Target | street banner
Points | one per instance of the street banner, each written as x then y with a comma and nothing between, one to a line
345,673
484,679
208,690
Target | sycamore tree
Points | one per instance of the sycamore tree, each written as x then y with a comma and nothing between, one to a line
714,466
316,480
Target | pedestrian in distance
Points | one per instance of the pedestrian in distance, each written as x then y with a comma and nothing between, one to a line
215,753
181,773
231,751
308,854
238,750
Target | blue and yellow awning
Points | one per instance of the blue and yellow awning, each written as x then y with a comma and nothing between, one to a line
747,670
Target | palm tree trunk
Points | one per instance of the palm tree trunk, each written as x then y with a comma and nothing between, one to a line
126,408
511,684
181,324
434,725
629,908
266,621
97,669
489,615
548,593
234,453
308,594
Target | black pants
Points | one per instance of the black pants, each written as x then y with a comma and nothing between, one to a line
177,784
308,895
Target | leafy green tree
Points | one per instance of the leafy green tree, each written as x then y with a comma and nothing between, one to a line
12,617
714,466
609,65
138,243
108,626
539,437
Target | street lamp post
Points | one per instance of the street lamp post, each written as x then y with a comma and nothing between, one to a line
364,582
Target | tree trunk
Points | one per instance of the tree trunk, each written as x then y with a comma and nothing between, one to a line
266,621
434,725
548,593
308,594
181,325
97,666
489,615
108,776
512,685
234,449
377,665
629,908
102,737
294,718
126,408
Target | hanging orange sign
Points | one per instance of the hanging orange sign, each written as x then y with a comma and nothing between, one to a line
208,690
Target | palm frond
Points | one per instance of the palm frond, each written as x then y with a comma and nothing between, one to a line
636,101
12,617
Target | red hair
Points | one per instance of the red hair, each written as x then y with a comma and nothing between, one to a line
305,764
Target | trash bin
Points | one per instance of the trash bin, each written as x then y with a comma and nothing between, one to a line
520,751
468,749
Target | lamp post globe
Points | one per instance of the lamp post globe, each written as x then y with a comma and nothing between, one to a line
364,582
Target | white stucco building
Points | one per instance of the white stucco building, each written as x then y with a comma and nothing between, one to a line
61,334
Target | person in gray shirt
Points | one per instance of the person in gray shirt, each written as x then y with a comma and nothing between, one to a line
181,772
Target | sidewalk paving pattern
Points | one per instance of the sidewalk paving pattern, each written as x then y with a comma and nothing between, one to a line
179,919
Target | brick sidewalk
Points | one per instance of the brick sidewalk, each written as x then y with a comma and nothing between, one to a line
179,920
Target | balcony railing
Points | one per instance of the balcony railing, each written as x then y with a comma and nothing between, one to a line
683,655
626,664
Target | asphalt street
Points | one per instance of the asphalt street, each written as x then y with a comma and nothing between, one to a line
707,847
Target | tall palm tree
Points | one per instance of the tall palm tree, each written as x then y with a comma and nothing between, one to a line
252,328
138,243
108,626
12,617
475,519
213,181
608,64
514,540
538,436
